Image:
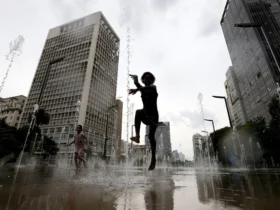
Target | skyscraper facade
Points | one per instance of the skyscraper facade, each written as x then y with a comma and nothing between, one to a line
200,148
197,145
163,140
234,99
88,73
255,68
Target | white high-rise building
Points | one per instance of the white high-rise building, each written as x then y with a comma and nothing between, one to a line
88,73
163,140
235,102
198,147
182,157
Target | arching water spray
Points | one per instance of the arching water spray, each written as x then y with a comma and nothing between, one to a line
235,139
124,21
77,113
200,99
15,50
131,110
36,108
128,83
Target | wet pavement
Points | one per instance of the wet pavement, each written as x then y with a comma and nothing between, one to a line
135,188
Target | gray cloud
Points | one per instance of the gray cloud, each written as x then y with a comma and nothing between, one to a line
63,10
209,19
135,13
196,119
190,118
174,118
157,57
164,4
211,26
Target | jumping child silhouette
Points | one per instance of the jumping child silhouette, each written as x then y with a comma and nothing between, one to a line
149,114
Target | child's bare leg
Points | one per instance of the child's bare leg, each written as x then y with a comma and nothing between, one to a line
76,161
84,162
152,139
137,124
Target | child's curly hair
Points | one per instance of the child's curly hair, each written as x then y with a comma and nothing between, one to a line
148,73
80,126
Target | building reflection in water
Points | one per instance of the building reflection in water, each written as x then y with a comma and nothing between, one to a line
204,187
243,190
42,190
159,196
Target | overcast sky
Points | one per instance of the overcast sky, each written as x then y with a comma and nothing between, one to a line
180,41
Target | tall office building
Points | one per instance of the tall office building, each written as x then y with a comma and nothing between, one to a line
197,142
175,156
235,101
200,147
182,157
163,140
87,73
255,69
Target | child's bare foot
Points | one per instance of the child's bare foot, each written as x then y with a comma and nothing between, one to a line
153,164
136,139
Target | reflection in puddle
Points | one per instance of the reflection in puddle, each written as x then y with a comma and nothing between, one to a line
234,190
53,188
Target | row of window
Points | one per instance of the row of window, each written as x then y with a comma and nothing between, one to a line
76,36
103,82
57,79
72,26
59,72
247,58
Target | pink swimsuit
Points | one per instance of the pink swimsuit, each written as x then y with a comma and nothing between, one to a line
79,144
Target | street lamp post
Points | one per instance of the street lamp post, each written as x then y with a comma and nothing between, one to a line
36,106
214,131
205,132
225,99
207,146
212,124
46,77
106,131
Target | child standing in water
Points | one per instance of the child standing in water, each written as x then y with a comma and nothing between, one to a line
79,141
149,114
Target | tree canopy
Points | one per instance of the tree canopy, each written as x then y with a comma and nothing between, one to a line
252,133
12,139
